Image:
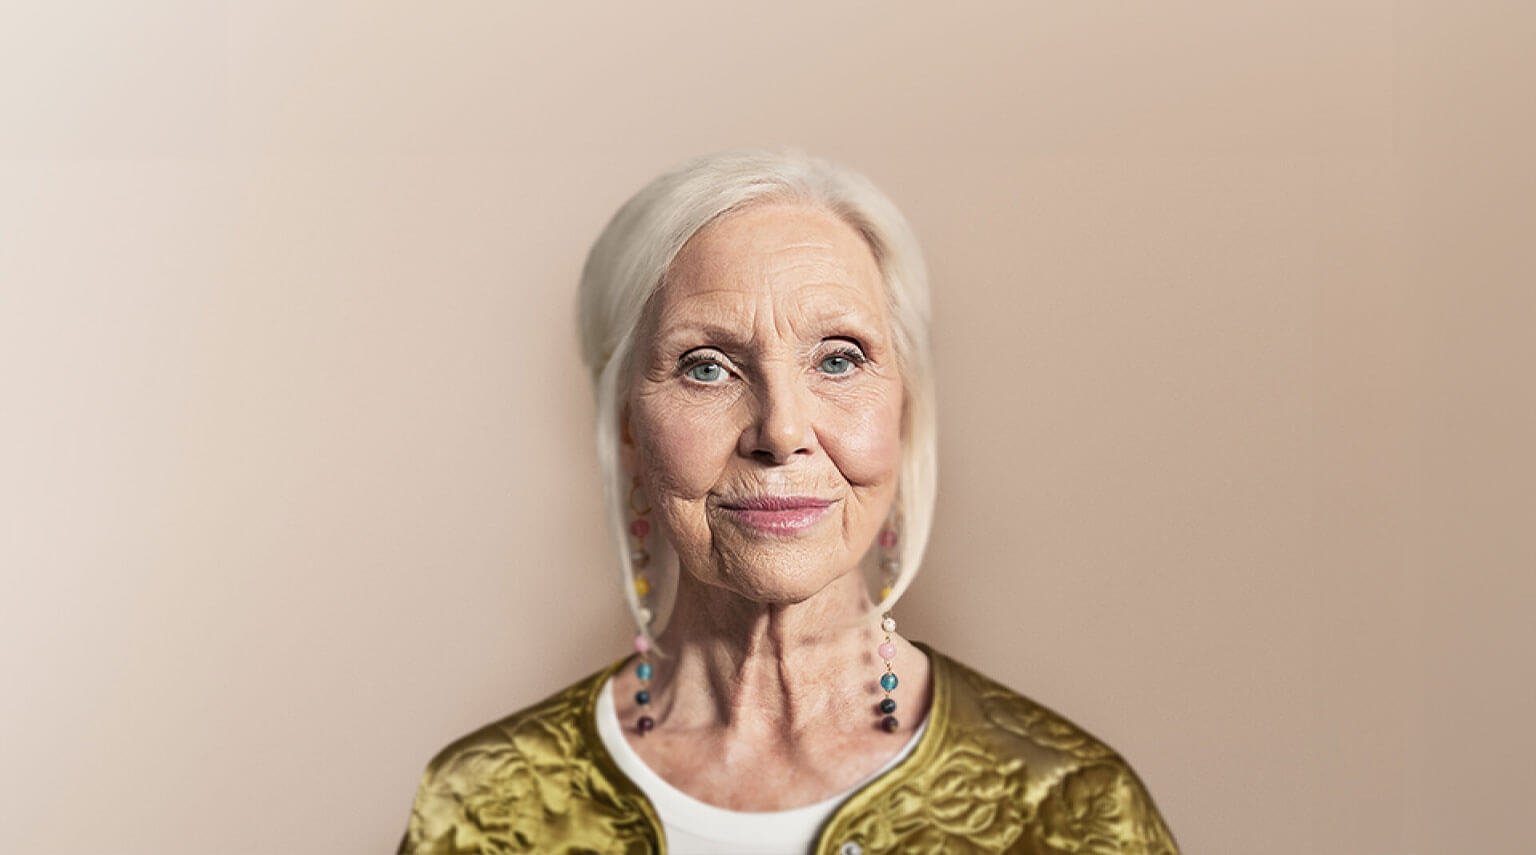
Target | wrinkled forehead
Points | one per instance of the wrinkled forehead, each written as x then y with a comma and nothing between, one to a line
795,259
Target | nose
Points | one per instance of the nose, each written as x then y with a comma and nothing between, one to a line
781,424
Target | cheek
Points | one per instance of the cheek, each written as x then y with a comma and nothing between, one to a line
683,450
866,444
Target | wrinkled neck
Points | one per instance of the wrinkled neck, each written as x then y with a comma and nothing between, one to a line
767,669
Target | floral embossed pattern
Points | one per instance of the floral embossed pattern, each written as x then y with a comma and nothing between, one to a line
994,772
528,783
1100,810
966,801
1030,722
1005,775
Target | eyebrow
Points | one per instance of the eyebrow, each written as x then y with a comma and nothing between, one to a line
679,342
708,331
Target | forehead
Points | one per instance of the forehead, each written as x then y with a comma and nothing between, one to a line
802,256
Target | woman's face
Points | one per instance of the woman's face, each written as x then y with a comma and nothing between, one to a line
764,417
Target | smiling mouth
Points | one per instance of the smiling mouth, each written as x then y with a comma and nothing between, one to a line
778,514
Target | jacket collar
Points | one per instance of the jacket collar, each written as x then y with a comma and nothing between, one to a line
928,747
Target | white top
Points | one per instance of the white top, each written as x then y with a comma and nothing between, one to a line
693,827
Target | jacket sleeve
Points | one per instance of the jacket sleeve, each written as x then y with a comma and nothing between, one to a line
463,805
1103,808
434,817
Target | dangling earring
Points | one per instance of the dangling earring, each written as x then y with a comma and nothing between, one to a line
639,527
889,566
890,563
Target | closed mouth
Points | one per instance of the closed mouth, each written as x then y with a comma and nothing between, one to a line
777,515
775,503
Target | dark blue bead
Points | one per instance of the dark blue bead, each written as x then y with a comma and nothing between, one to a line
887,706
642,697
888,681
643,670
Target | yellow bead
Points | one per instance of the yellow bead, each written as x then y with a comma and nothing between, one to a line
886,591
642,586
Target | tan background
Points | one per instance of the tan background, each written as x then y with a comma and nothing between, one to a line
1234,304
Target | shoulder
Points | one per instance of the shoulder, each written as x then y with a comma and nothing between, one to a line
1012,723
502,787
1005,773
1081,794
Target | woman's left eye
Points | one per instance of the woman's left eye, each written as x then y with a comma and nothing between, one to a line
837,363
706,372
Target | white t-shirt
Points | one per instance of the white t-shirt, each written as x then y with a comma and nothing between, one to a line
693,827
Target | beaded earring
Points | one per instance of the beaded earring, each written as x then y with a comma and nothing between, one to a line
889,565
639,559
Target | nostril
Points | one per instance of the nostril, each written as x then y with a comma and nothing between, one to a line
774,456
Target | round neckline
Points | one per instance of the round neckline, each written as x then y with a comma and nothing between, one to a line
696,816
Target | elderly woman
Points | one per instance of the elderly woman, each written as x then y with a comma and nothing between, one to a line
756,329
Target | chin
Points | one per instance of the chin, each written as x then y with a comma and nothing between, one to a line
777,579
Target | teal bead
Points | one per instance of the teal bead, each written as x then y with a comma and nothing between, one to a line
888,681
643,670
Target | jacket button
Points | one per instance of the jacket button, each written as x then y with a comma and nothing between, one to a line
851,848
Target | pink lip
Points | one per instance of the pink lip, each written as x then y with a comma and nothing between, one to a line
778,514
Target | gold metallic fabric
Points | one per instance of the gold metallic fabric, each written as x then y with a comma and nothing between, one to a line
994,772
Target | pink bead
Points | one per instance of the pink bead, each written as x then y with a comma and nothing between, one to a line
887,651
888,538
642,645
640,528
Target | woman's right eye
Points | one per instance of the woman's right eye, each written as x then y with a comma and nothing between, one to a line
706,372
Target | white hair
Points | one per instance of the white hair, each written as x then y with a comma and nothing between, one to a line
629,262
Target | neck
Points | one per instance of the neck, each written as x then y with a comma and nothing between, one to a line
770,670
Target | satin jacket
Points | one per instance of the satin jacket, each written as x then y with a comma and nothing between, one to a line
994,772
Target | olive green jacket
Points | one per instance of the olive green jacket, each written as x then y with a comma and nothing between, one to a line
993,772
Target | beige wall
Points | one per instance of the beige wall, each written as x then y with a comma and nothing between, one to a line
1234,304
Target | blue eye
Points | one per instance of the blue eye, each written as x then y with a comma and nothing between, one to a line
837,363
706,372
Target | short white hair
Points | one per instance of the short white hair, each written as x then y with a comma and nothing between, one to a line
629,263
